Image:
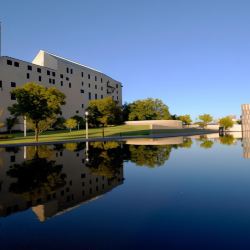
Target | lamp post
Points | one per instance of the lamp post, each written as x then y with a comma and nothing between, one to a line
87,125
24,126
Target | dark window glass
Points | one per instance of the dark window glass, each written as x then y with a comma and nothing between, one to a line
49,80
71,71
82,83
95,78
89,96
95,86
39,70
48,72
12,96
101,88
28,76
101,79
117,86
40,78
82,74
77,111
95,96
29,67
13,84
82,91
101,96
61,75
1,84
53,74
82,105
61,83
9,62
67,70
16,64
54,81
69,85
88,76
89,85
67,78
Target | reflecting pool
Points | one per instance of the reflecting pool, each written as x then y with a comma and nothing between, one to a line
173,193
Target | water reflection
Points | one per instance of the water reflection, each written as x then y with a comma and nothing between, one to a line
53,180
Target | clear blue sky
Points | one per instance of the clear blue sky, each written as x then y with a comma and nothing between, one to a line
192,54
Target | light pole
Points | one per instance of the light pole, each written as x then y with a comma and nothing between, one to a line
24,126
87,125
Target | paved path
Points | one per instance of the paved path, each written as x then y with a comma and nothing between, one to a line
112,138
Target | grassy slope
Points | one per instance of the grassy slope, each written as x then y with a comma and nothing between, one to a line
123,130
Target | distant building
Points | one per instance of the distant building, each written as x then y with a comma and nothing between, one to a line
245,117
78,82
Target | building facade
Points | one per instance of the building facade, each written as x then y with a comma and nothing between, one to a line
79,83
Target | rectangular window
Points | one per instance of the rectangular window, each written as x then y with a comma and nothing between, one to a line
89,96
82,83
95,86
88,76
48,72
9,62
39,70
49,80
82,91
39,78
82,74
69,85
89,85
61,83
67,70
77,111
101,96
16,64
117,98
71,71
28,76
101,88
101,79
13,84
82,106
61,76
12,96
95,96
1,84
95,78
53,81
67,79
117,86
29,67
53,74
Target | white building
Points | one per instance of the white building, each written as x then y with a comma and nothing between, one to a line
79,83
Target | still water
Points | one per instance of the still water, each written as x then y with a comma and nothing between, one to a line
176,193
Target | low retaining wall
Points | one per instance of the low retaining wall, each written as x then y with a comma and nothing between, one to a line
157,124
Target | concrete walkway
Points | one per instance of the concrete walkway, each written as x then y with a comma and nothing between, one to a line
113,138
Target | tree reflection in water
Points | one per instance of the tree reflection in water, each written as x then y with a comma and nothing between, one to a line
37,175
227,139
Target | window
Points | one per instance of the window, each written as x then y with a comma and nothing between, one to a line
12,96
117,86
61,83
13,84
28,76
49,80
39,70
82,106
29,67
88,76
101,79
82,83
82,74
71,71
77,111
39,78
16,64
67,70
95,78
12,158
53,74
101,96
95,86
1,84
48,72
61,76
101,88
9,62
67,79
53,81
95,96
89,96
83,175
82,91
70,85
89,85
117,98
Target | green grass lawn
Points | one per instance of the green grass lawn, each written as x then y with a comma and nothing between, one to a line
62,135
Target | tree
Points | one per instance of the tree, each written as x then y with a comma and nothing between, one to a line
80,121
43,125
37,103
59,123
70,124
227,139
11,122
105,112
186,119
204,120
226,122
148,109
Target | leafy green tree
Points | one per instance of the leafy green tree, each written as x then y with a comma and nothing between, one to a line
37,103
186,119
226,122
43,125
80,121
149,109
11,122
125,111
70,124
105,112
204,120
59,123
227,139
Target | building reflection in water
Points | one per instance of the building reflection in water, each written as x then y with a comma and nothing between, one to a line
246,143
55,179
